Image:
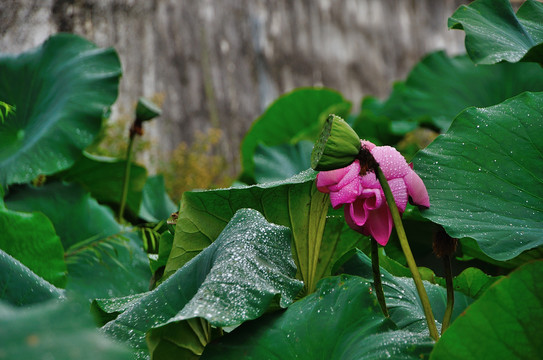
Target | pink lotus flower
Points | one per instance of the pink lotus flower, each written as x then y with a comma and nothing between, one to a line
366,210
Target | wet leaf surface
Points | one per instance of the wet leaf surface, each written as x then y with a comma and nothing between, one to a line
237,278
494,33
484,176
341,320
295,203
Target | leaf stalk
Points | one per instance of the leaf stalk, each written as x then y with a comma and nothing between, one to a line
377,283
450,293
126,179
408,254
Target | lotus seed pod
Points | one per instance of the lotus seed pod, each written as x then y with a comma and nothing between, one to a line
337,146
146,110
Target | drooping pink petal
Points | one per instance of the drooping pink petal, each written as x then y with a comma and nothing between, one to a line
346,194
352,174
355,214
416,189
391,162
379,224
334,180
349,220
373,198
325,179
399,191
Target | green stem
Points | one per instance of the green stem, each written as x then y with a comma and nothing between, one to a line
450,293
378,285
126,179
408,255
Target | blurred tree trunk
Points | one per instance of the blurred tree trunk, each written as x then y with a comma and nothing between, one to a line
220,63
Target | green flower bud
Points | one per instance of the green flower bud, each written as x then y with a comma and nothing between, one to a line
146,110
337,146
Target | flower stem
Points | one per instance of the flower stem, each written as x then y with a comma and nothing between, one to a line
450,293
126,179
377,276
408,255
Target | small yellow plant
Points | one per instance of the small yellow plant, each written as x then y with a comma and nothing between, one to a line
197,166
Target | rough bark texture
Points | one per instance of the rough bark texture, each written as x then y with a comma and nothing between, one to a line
222,62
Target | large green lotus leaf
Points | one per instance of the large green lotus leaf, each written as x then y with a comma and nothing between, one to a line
494,33
280,162
295,203
156,205
237,278
506,322
103,177
103,258
526,256
292,115
31,239
439,87
470,250
54,330
402,298
484,176
61,91
341,320
20,286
